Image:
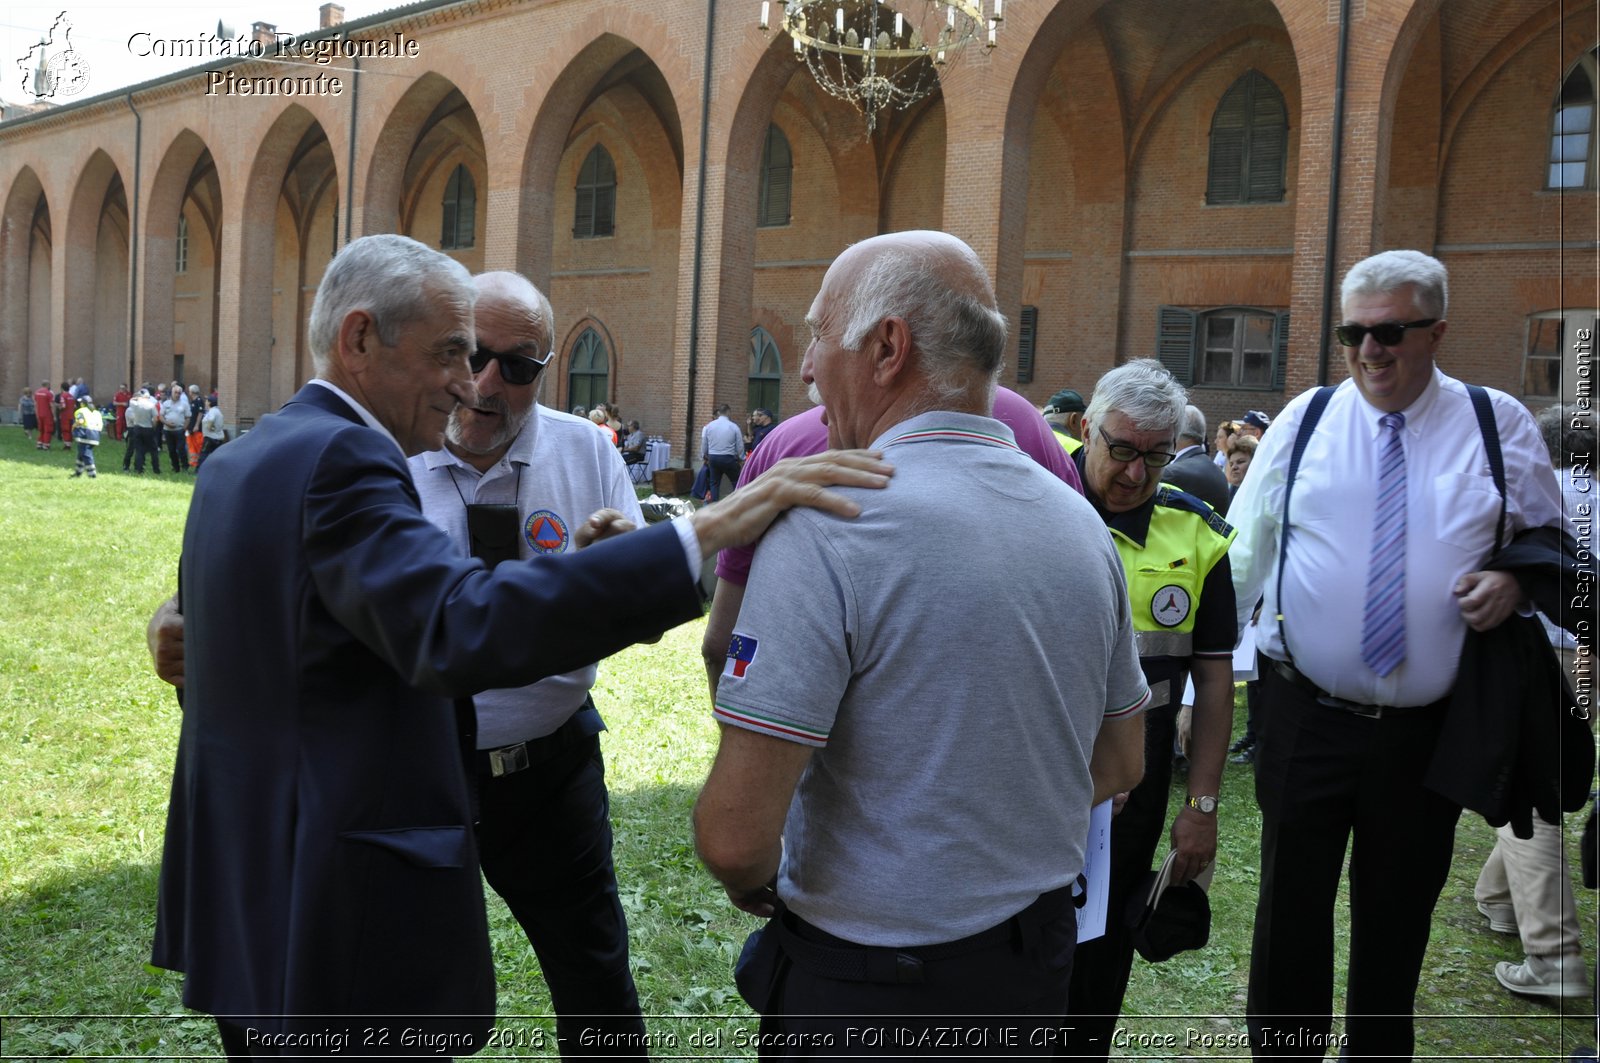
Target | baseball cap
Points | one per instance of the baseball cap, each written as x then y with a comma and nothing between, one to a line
1065,401
1257,419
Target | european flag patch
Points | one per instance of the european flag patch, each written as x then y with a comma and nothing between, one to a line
741,651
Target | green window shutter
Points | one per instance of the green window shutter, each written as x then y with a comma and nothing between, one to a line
1280,343
1176,328
777,180
1269,137
594,213
1027,336
1229,129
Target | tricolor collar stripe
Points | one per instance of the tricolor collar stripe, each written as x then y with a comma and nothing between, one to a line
921,435
768,724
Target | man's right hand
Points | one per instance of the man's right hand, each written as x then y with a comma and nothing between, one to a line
744,515
164,634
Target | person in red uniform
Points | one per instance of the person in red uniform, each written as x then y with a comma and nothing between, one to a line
119,402
44,407
67,406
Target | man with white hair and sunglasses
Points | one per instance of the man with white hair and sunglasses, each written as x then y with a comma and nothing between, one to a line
516,479
1369,594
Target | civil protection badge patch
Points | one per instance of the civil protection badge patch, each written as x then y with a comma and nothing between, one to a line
741,652
545,531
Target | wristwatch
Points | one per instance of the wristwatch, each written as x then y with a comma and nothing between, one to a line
1206,804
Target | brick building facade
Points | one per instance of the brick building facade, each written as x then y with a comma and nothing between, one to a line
1147,177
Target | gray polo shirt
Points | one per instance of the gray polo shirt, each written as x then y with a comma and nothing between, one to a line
952,653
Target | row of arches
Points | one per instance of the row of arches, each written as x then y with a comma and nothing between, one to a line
1119,162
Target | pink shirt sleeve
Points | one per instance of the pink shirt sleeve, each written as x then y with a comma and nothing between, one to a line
795,437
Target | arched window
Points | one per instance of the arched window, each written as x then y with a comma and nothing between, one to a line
595,214
590,371
183,243
766,371
777,172
1249,143
460,209
1572,129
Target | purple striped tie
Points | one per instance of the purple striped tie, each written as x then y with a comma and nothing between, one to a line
1383,633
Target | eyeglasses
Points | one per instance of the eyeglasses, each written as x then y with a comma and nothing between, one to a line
1154,459
1388,334
514,368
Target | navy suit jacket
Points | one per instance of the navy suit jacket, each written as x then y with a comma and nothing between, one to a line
1197,474
319,856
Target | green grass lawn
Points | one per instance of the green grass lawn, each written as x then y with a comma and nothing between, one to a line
87,735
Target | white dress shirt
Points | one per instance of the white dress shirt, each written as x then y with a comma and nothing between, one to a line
721,437
1451,509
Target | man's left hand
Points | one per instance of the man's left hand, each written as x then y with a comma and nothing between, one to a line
760,902
1194,839
1487,598
602,524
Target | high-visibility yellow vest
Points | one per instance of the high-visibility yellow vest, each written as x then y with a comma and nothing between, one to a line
1185,540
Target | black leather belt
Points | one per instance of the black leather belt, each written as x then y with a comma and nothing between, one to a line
1294,676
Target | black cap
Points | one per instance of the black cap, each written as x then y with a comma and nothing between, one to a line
1257,419
1065,401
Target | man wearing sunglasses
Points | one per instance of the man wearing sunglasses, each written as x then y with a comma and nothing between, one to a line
1368,599
516,479
320,876
1174,553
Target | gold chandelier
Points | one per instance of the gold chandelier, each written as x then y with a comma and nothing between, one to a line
875,54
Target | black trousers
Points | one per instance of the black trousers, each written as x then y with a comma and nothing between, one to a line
1004,998
177,448
723,465
544,840
1101,968
141,442
1323,777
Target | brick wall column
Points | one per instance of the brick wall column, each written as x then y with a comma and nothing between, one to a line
1314,30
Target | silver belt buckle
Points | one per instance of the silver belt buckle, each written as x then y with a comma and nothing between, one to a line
507,759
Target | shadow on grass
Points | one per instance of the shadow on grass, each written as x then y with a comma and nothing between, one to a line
74,951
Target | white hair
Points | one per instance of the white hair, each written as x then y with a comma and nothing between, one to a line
394,278
1389,271
1143,392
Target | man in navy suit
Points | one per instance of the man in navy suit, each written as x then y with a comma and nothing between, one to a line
1193,470
319,883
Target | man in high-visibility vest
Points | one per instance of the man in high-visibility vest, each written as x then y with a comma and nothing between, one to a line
1174,551
1064,414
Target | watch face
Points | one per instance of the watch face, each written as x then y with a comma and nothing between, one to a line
1204,804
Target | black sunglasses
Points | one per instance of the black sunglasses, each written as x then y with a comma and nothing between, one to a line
514,368
1154,459
1388,334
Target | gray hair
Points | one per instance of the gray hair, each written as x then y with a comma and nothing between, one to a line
388,276
1568,432
957,333
1389,271
1194,424
512,285
1143,392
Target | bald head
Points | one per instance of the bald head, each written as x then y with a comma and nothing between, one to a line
936,284
904,324
519,307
